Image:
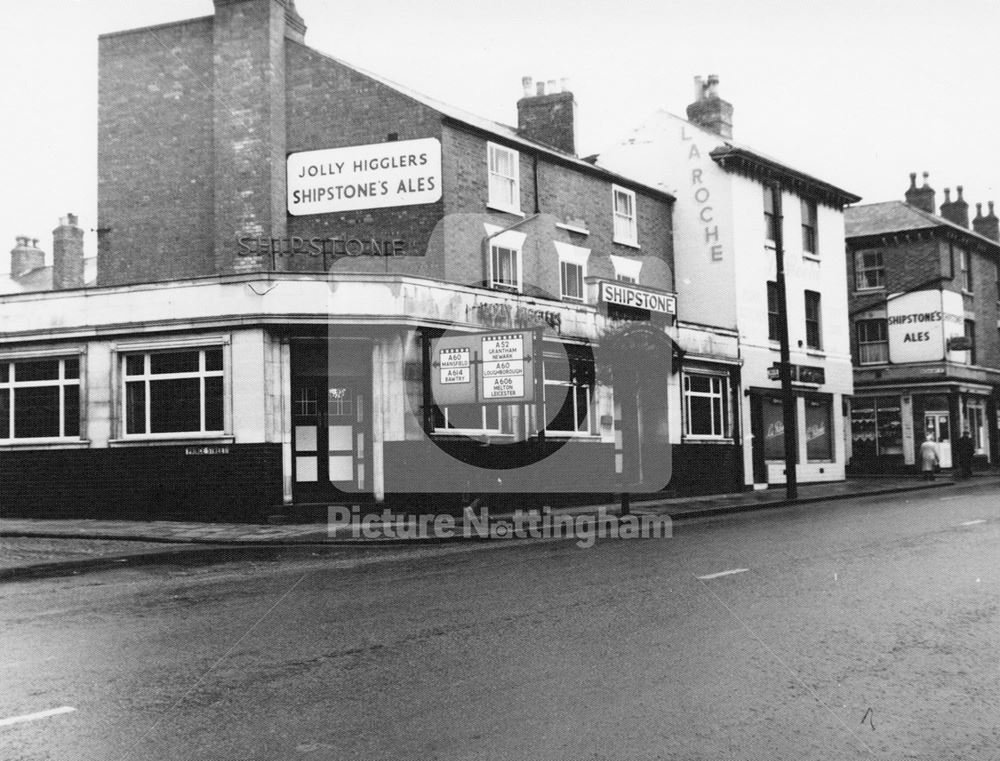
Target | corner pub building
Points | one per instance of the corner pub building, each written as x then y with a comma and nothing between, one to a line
280,236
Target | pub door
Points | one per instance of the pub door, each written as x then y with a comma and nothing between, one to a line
330,439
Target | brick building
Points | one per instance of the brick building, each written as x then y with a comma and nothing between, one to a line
732,202
925,288
285,242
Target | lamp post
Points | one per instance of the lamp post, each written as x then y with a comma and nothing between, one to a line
790,415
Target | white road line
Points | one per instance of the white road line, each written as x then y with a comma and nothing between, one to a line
973,523
722,573
36,716
953,496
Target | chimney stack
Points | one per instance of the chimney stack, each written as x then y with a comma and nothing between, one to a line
923,198
549,115
25,257
67,254
957,211
988,226
709,111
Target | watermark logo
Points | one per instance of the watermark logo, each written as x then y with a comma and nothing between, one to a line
586,528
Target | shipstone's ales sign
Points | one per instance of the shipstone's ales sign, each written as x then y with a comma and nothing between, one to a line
637,298
478,368
920,324
379,176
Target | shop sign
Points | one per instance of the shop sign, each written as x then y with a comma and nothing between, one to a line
376,176
205,450
503,315
920,323
480,368
811,375
633,296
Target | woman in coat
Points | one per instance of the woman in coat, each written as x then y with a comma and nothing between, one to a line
928,458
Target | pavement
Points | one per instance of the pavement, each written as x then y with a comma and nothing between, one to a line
844,630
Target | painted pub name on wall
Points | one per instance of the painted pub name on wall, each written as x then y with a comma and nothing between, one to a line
702,197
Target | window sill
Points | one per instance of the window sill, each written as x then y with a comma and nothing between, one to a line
502,288
629,243
970,294
172,438
707,440
873,289
812,257
573,229
811,352
572,300
572,435
47,443
505,209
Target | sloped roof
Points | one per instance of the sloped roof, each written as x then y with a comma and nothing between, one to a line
40,279
481,124
889,217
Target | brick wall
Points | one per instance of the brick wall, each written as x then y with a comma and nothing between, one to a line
155,187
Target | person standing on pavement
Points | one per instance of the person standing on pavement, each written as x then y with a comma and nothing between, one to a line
929,458
966,449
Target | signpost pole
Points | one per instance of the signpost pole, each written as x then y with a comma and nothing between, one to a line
787,396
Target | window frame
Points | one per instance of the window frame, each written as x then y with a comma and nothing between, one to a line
862,344
147,351
810,226
773,316
483,431
9,386
590,400
630,235
499,285
513,205
564,277
965,267
817,319
826,402
722,395
861,271
572,256
770,207
969,331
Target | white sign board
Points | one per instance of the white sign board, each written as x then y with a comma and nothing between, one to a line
503,366
454,366
639,298
919,322
378,176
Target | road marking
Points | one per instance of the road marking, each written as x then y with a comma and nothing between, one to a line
953,496
722,573
973,523
36,716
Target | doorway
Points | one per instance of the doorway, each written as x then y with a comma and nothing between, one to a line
937,427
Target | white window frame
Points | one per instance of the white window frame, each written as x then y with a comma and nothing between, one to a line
820,343
625,226
722,394
496,178
146,351
589,400
805,205
572,257
512,240
859,270
965,267
626,270
863,344
484,430
9,385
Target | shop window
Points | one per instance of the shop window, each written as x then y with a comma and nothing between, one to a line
174,392
813,334
809,240
970,334
569,391
773,312
877,427
819,429
873,341
504,178
571,281
976,421
774,428
965,268
469,419
40,398
869,270
770,216
625,228
705,406
505,268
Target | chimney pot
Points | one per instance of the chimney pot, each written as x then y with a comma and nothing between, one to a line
947,195
526,83
988,226
926,175
913,180
25,256
550,87
540,88
564,84
708,110
979,211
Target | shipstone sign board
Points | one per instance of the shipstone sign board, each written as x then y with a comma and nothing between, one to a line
483,368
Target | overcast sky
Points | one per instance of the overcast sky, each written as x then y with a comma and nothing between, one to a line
857,92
